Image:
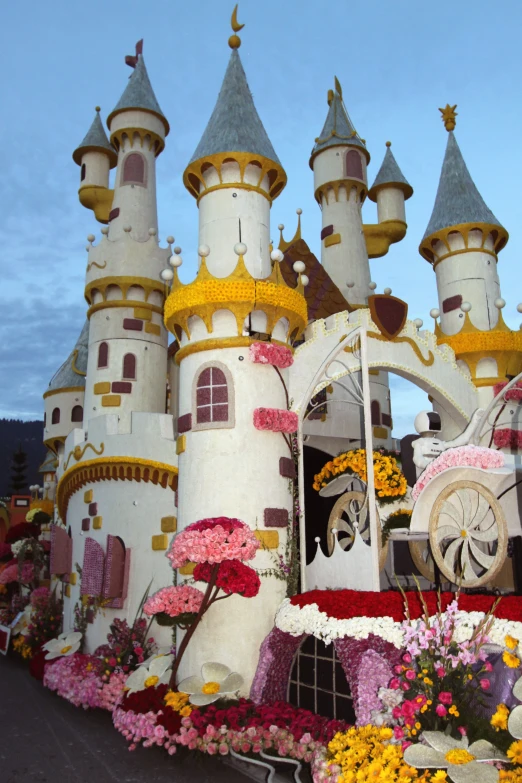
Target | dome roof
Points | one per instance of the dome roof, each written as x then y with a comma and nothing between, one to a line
96,141
390,174
73,370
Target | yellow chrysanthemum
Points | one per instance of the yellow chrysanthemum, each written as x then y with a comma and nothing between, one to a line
511,642
515,752
499,719
510,660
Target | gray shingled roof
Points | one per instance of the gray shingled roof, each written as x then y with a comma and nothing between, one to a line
235,125
66,376
138,94
390,174
96,139
49,464
458,200
338,130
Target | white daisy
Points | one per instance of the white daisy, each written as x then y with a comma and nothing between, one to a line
217,681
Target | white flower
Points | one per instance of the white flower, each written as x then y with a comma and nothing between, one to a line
217,681
65,644
156,673
24,621
463,762
515,717
161,651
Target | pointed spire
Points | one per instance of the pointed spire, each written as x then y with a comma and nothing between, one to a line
73,370
458,200
138,93
95,141
49,464
338,129
235,125
390,174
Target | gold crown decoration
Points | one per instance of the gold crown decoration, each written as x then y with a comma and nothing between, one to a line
498,234
472,344
241,294
449,117
283,244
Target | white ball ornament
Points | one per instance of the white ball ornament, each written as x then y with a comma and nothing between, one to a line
435,312
372,286
152,232
500,303
277,255
127,229
465,307
90,238
281,226
170,240
519,308
418,322
350,285
175,261
299,211
299,267
305,279
387,291
105,230
177,250
240,248
166,275
203,251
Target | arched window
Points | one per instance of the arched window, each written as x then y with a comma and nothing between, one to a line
214,398
103,355
45,420
376,413
82,175
77,413
134,170
55,418
129,367
354,165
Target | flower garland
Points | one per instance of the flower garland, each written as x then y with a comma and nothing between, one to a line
515,393
80,680
461,456
507,438
335,614
390,482
275,420
270,353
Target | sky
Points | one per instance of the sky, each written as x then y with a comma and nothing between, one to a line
397,63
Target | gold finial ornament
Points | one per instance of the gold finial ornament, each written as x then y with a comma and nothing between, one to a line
338,87
388,143
235,41
448,117
330,98
97,108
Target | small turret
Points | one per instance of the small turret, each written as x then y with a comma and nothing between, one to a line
96,156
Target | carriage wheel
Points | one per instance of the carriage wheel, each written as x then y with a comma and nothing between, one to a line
422,559
468,533
350,512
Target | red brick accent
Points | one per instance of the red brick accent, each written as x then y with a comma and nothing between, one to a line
184,423
386,419
287,467
86,524
452,303
327,231
93,509
114,213
276,517
133,323
121,387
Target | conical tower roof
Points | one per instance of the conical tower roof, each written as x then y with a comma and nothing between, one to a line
235,125
390,174
73,370
458,200
338,129
96,141
138,93
49,464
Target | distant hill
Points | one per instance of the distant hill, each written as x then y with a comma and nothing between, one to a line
29,435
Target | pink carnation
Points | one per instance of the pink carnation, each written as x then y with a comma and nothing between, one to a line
515,393
275,420
507,438
10,574
213,541
445,697
174,601
462,456
270,353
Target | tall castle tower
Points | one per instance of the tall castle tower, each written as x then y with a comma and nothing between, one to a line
462,242
227,465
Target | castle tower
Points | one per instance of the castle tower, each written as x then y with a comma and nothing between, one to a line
228,466
462,242
96,156
390,190
127,365
64,398
339,160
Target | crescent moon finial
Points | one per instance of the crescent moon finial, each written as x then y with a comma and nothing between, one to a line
235,41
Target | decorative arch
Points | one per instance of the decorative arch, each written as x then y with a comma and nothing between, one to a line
134,170
103,356
77,414
129,367
213,397
55,416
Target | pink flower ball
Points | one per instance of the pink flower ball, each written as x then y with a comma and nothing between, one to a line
462,730
445,697
406,658
398,731
405,686
410,674
397,669
485,684
395,684
488,666
441,710
440,671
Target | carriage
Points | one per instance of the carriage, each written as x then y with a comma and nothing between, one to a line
462,512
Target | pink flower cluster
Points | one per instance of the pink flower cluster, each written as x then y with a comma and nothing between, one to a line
213,541
269,353
78,678
515,393
143,727
507,438
10,574
174,601
462,456
275,420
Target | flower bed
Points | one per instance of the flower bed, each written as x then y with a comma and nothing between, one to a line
390,482
81,680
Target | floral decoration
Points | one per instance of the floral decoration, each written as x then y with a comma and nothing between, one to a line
270,353
174,605
65,644
157,672
213,541
276,657
127,647
515,393
507,438
217,681
390,482
461,456
10,574
80,680
233,577
465,763
275,420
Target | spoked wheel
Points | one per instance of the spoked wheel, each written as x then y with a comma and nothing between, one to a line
349,513
422,559
468,534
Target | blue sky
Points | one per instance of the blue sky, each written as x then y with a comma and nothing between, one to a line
397,62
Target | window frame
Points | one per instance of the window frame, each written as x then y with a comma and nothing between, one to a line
57,409
123,181
214,425
103,366
128,377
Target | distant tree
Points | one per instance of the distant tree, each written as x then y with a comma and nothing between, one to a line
19,471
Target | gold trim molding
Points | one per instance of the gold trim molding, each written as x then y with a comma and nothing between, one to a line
101,284
464,229
335,185
194,180
220,342
78,452
113,469
65,389
131,303
379,236
155,141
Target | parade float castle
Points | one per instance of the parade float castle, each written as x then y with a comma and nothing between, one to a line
151,438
